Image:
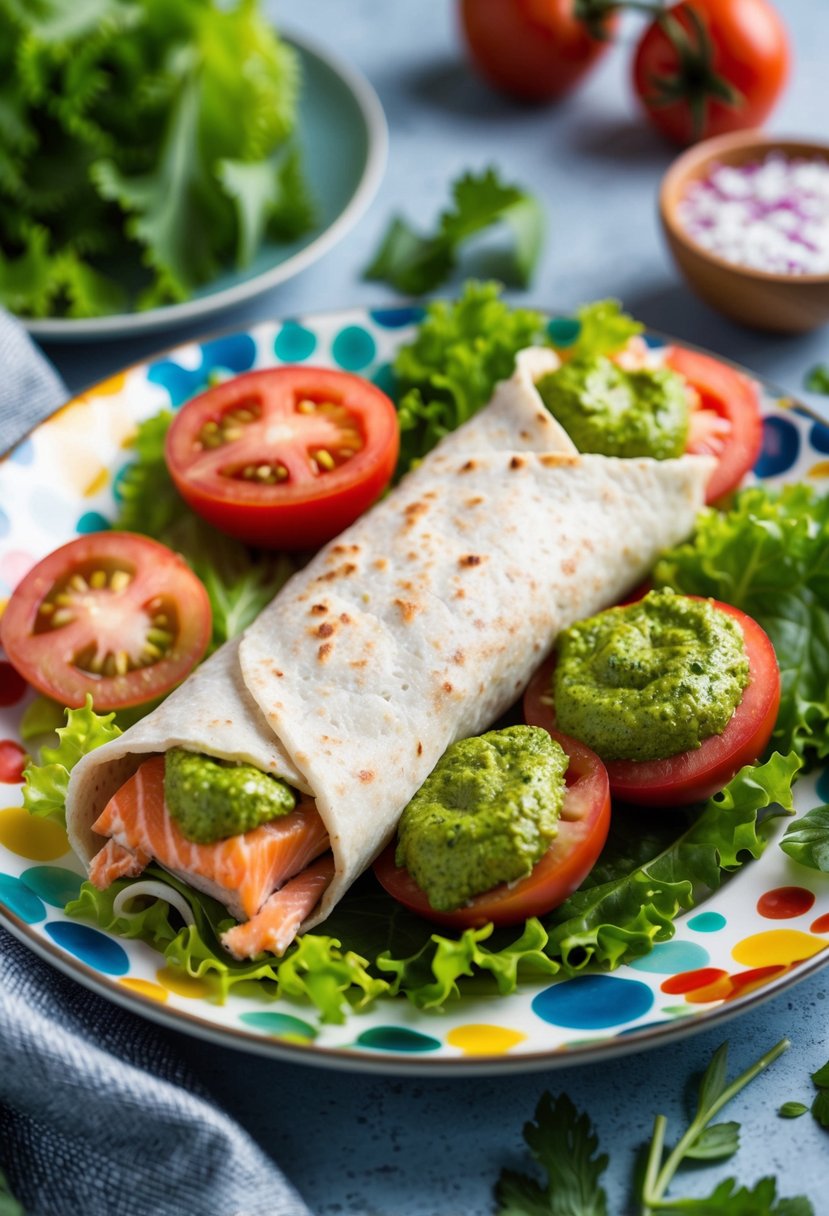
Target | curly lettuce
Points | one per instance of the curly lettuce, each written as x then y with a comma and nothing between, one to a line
45,783
144,147
769,556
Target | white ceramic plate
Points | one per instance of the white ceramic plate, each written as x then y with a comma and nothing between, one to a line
738,948
344,140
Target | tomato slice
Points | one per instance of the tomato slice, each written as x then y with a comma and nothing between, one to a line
113,614
286,457
582,831
726,423
697,774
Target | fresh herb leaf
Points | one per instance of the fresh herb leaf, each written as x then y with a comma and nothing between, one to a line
715,1143
45,783
820,1108
821,1077
148,502
416,264
459,353
728,1198
565,1144
817,380
792,1110
807,839
769,556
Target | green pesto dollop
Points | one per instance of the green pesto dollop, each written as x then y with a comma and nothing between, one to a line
614,412
485,814
212,799
650,679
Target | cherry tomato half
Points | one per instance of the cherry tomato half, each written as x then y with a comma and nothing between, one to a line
284,458
711,66
531,49
727,423
697,774
113,614
582,831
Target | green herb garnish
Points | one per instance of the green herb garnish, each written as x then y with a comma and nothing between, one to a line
415,264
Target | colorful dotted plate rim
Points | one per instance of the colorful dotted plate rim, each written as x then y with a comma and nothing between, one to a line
771,919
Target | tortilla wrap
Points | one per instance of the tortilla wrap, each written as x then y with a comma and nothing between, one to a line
419,625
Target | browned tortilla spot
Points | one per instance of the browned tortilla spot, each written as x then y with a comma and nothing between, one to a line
325,630
447,687
517,462
468,467
318,609
568,566
324,651
357,663
460,594
470,559
474,501
419,748
381,563
345,618
365,774
459,657
408,610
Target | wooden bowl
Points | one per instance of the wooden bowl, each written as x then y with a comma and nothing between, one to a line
785,303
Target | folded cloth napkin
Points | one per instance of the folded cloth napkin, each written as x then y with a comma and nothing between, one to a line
98,1113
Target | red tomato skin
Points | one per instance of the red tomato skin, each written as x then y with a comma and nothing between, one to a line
751,52
286,516
46,659
583,828
735,397
694,775
534,50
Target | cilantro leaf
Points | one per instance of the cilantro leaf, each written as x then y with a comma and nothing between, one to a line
45,783
792,1110
807,839
769,556
820,1108
415,264
821,1077
565,1144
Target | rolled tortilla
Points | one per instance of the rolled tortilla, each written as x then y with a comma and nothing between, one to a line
418,625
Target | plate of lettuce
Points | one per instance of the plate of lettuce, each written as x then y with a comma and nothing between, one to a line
162,162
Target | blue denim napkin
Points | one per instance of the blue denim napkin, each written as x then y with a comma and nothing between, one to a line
98,1114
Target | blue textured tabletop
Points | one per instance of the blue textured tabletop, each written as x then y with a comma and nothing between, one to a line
354,1144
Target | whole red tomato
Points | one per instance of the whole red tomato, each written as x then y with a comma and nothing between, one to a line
536,49
706,67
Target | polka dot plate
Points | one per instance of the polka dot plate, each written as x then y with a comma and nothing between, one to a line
763,930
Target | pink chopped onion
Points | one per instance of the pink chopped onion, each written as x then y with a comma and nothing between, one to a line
770,215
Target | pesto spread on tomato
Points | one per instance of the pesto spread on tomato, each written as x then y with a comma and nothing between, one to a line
614,412
485,815
212,799
650,679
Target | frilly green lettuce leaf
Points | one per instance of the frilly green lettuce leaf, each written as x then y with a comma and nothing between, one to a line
604,329
448,371
45,783
769,556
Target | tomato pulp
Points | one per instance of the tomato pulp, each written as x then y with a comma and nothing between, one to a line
284,458
582,831
696,774
111,614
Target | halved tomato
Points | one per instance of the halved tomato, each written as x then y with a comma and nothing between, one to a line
726,423
284,458
582,831
697,774
113,614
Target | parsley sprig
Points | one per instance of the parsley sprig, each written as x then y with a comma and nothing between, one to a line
564,1143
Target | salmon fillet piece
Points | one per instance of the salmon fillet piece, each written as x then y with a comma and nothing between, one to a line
276,924
241,871
113,862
